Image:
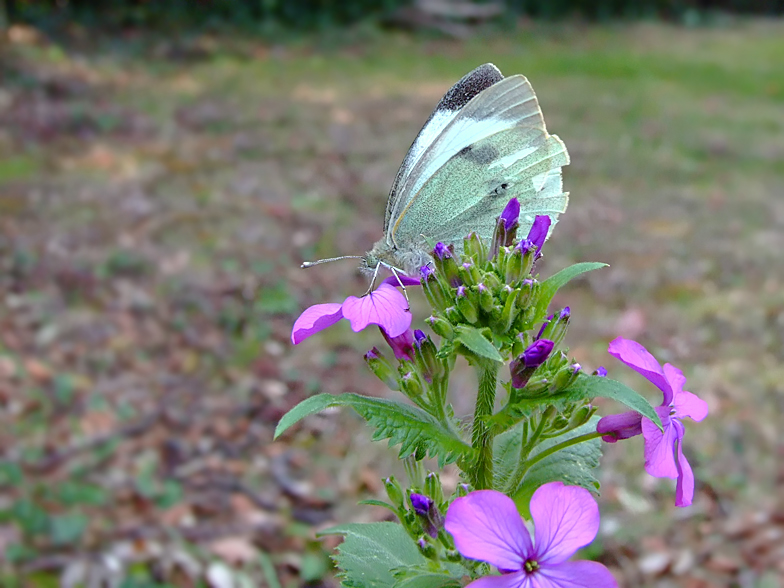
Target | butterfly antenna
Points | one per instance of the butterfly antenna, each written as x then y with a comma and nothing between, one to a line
320,261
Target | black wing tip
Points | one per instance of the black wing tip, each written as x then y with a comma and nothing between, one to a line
469,86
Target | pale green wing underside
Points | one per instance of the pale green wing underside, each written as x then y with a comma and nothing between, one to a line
496,148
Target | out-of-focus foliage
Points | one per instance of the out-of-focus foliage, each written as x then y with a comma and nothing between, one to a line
306,14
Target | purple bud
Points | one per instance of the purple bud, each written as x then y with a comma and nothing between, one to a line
525,246
601,371
537,353
422,543
441,251
461,291
425,271
373,354
524,365
539,229
510,214
576,367
421,504
468,265
481,287
620,426
419,337
565,313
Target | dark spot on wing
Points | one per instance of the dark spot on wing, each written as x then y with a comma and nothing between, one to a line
469,86
480,155
500,189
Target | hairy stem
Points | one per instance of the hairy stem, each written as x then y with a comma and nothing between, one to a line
482,437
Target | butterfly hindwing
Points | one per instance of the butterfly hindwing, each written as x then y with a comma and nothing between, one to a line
471,85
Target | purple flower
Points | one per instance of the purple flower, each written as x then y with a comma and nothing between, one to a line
601,371
524,365
441,251
663,449
421,504
510,214
385,307
402,345
539,230
486,526
620,426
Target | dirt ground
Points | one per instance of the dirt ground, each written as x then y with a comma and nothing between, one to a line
157,196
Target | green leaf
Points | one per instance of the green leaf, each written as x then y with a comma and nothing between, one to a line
551,285
68,528
415,430
374,502
572,465
476,342
370,552
585,387
593,387
429,579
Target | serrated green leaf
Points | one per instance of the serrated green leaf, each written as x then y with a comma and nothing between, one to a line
415,430
595,387
551,285
572,465
476,342
370,552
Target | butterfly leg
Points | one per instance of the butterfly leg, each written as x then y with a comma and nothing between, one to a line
372,280
399,281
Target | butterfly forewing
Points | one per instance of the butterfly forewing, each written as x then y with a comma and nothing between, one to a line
445,112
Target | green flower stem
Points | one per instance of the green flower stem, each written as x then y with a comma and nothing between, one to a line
525,466
482,437
522,466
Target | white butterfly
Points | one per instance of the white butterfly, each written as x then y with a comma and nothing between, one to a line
485,143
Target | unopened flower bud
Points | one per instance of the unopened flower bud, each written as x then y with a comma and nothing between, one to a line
581,416
421,503
441,327
539,231
446,264
410,385
427,510
384,371
506,226
511,310
601,371
434,292
402,345
486,302
428,550
620,426
453,315
433,487
462,490
555,328
466,305
425,357
394,492
525,364
475,248
468,274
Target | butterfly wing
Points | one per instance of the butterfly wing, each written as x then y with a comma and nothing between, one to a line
494,148
445,112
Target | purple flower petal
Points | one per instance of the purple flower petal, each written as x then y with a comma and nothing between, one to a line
511,213
401,279
421,503
539,230
315,319
640,360
623,426
486,526
385,307
685,403
684,489
566,518
660,445
574,574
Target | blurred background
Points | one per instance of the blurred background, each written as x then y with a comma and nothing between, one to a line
166,166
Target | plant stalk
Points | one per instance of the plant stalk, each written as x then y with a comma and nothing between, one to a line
482,437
